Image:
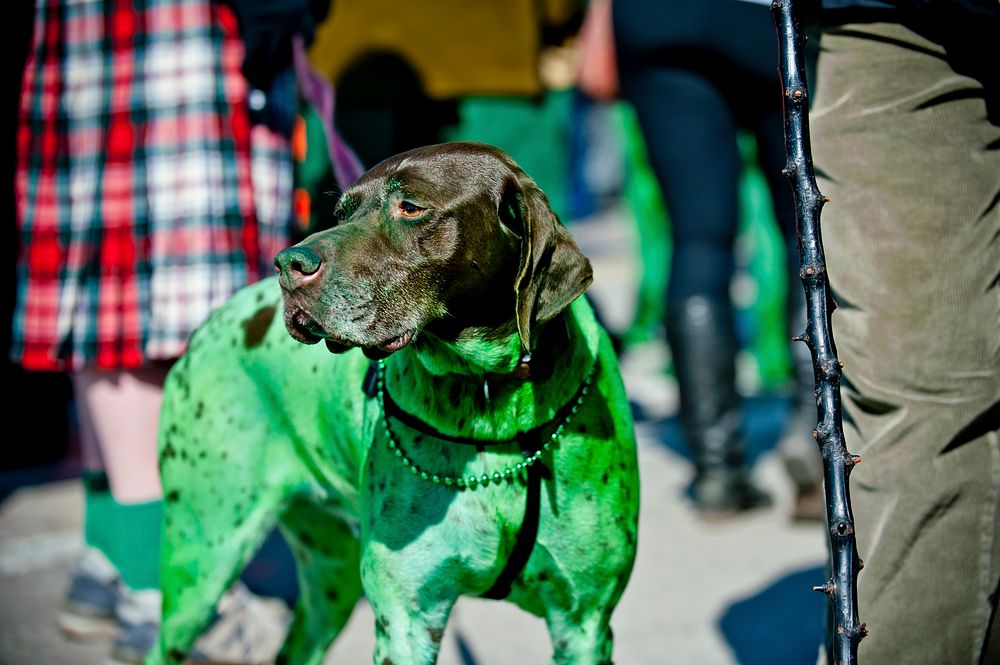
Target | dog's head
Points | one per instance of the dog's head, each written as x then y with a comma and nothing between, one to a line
451,239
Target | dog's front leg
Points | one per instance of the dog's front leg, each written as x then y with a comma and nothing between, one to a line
411,598
581,640
408,627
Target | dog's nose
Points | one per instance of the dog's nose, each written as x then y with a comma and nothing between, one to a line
296,265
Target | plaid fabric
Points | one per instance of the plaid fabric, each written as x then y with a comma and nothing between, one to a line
145,198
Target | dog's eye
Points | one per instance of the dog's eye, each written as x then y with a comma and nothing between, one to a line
409,210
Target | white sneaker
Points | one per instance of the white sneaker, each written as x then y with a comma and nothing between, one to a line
138,615
88,611
247,630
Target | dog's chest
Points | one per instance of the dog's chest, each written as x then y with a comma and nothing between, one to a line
471,528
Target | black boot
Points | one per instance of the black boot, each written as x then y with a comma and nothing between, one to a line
703,348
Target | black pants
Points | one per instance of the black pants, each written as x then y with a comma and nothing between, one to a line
697,72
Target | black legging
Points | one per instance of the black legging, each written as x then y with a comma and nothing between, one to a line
697,71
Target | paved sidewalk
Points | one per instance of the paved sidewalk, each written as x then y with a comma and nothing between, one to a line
701,593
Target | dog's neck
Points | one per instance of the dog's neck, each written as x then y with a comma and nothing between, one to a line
465,387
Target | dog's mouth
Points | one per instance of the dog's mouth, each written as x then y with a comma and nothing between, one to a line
374,352
386,348
302,327
398,342
305,329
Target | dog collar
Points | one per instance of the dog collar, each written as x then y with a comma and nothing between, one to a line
533,443
539,366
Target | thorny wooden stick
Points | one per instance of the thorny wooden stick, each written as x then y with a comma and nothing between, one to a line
829,433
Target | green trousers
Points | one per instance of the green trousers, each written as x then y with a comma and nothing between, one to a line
906,139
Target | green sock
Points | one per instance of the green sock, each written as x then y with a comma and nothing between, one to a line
98,508
128,534
139,543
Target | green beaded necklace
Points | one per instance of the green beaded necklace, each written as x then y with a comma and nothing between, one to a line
473,481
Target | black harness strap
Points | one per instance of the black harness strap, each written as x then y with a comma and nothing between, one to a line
524,544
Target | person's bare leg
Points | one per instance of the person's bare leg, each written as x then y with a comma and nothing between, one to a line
122,409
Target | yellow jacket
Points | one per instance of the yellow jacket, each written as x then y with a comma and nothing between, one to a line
457,47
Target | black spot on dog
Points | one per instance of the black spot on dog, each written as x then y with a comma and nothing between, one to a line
604,478
281,659
173,496
256,326
169,451
461,422
175,656
543,576
454,393
582,429
224,454
307,539
388,661
332,595
199,410
436,635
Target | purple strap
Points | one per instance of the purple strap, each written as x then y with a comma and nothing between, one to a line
318,91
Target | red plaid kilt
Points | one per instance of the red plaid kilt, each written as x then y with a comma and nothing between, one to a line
145,198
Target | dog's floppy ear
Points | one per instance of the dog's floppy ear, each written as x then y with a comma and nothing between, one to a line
553,271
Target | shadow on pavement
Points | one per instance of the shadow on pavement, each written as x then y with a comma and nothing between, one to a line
780,625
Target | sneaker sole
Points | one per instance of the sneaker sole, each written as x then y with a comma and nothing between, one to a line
85,628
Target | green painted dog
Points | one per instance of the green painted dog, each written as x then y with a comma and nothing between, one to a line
470,433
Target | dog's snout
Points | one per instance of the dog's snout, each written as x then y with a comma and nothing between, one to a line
297,264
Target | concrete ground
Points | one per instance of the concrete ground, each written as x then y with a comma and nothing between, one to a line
701,593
